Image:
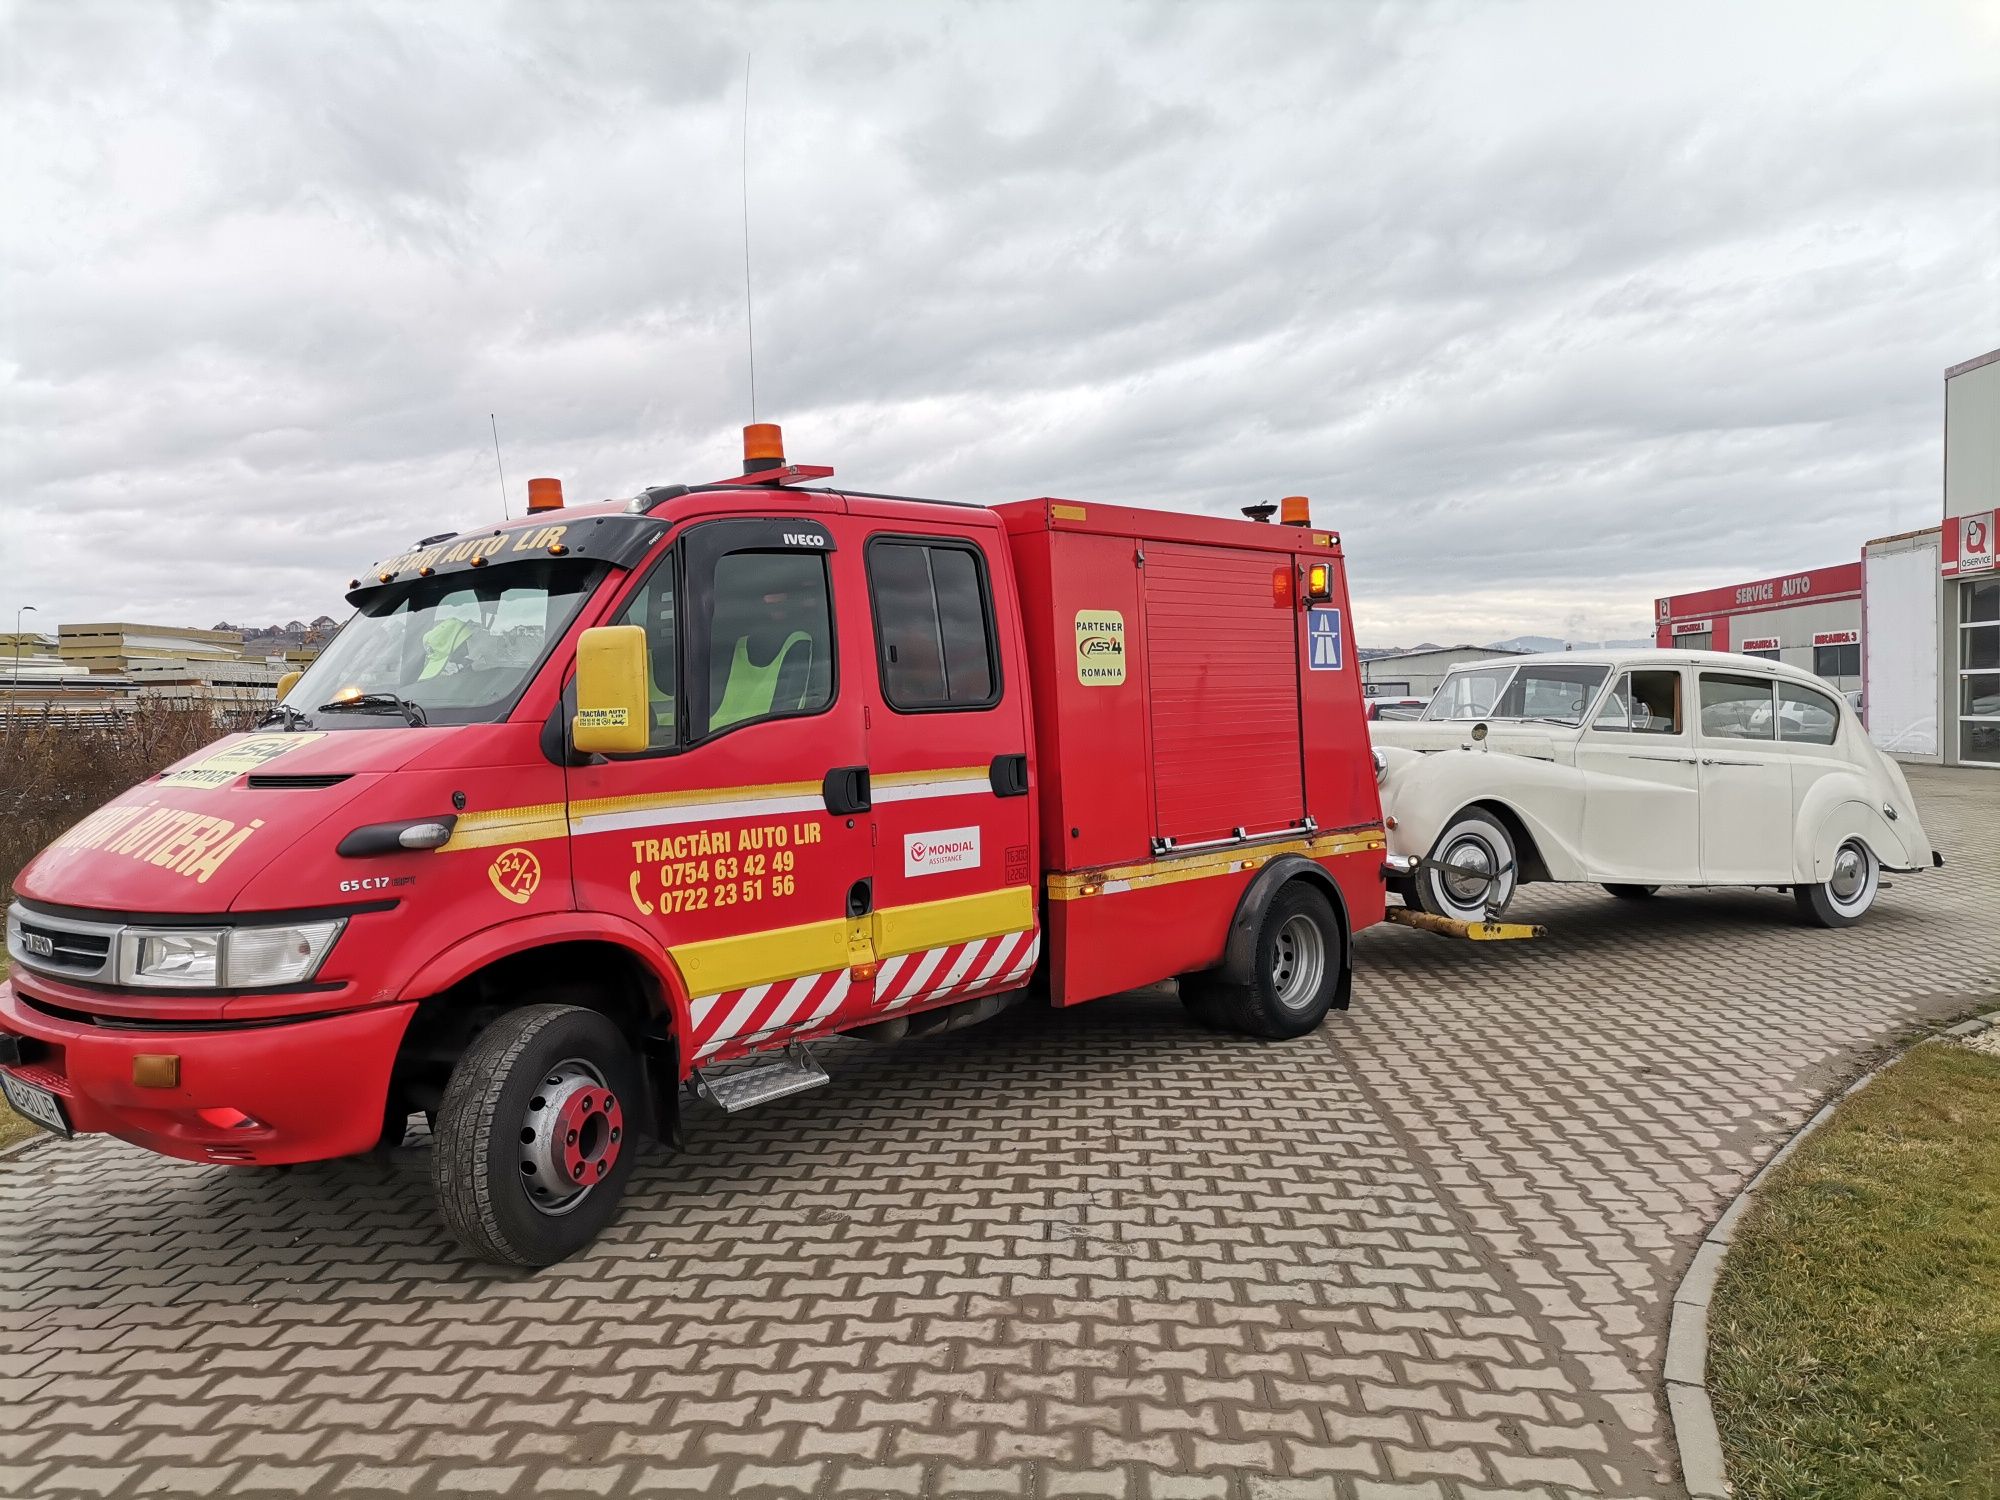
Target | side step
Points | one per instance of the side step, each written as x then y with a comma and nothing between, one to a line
746,1088
1479,932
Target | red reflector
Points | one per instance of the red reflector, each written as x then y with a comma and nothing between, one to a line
222,1117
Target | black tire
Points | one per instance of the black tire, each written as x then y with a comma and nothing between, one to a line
1633,892
1298,967
524,1078
1480,843
1849,895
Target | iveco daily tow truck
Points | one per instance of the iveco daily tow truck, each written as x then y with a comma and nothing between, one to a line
579,811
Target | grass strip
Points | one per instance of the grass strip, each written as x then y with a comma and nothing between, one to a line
1854,1341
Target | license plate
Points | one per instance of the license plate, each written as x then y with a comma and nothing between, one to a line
37,1104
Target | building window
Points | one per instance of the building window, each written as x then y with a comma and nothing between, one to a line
1701,640
933,625
1388,690
1764,653
1836,661
1979,671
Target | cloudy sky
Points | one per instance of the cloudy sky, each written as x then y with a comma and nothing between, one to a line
1550,308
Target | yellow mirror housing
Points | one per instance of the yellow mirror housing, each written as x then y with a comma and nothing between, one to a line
613,710
286,683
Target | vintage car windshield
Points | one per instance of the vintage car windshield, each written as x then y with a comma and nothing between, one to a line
456,649
1556,692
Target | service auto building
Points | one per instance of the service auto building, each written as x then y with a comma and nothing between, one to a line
1810,619
1932,597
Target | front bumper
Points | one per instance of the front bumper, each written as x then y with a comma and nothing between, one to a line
255,1094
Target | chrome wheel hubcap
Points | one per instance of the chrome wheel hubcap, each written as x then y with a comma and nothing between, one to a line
1469,880
1298,962
571,1136
1850,875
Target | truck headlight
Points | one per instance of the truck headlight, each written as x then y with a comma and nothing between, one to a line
224,957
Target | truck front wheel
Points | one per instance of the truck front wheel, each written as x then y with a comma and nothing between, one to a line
533,1146
1296,970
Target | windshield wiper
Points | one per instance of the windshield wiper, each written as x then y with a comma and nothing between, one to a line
290,717
377,703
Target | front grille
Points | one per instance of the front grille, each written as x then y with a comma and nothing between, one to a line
60,949
66,946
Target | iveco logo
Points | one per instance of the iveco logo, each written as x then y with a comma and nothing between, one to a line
39,944
804,539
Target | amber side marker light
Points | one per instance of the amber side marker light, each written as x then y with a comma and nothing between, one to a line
156,1070
544,494
1319,581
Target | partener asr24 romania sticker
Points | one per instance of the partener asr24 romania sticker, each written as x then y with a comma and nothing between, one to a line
515,874
235,758
1100,647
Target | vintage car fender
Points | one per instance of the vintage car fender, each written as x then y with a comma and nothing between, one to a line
1836,809
1423,792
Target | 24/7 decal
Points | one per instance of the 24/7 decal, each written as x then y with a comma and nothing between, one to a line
515,874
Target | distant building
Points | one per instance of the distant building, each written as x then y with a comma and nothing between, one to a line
98,671
1416,674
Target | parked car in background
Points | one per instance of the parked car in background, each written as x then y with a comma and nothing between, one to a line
1640,770
1394,708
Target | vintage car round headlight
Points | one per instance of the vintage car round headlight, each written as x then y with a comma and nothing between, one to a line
1381,763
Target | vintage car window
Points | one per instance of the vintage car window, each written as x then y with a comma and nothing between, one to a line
1558,692
1468,695
1736,708
1643,703
1806,717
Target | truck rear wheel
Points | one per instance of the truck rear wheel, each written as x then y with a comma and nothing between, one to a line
533,1147
1296,970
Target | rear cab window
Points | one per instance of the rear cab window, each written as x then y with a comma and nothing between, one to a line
935,643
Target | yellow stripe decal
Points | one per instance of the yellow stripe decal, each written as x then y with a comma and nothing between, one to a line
1174,869
957,919
734,963
508,825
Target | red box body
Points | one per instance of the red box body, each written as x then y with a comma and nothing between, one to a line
1207,740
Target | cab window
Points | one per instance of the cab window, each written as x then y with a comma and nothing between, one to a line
770,638
933,625
1736,708
1806,717
655,610
1647,702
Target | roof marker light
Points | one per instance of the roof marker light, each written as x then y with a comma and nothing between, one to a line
763,447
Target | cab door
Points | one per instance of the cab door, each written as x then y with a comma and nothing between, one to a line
948,768
735,837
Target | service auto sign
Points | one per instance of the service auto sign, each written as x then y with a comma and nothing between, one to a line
1975,542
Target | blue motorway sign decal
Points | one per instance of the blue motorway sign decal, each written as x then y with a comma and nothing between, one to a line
1323,640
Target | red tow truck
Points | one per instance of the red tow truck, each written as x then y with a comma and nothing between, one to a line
614,804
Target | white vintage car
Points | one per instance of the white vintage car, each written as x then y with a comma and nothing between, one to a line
1639,769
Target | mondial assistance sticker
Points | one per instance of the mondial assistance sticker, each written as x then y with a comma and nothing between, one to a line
1100,647
226,762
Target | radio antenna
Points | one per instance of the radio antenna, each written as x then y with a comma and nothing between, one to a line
749,312
504,512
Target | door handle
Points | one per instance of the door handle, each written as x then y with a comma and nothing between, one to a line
1008,775
846,790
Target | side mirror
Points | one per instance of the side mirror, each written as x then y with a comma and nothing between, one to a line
613,708
286,683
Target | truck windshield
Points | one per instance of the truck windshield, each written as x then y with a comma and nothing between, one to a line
460,649
1556,692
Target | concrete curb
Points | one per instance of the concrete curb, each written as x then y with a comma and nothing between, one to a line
1695,1434
19,1148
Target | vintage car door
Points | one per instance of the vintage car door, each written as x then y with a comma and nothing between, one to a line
1746,782
1641,785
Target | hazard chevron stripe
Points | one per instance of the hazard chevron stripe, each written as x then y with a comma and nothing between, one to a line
792,1008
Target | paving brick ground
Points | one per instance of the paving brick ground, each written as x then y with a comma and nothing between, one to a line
1425,1254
